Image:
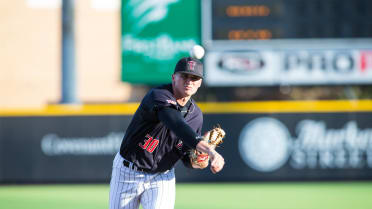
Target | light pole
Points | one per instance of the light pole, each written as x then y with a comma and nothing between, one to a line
68,54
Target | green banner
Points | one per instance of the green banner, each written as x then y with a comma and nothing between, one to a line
155,34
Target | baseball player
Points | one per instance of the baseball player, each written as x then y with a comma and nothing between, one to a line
165,127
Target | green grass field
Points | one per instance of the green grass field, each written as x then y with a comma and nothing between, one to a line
337,195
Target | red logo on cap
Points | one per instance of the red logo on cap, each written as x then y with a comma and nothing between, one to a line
191,65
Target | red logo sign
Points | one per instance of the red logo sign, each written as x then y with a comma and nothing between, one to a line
365,60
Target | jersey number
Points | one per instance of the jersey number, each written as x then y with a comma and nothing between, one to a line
149,144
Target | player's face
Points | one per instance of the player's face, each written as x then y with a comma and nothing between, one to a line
186,85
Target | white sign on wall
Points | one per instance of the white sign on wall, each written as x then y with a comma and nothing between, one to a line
276,67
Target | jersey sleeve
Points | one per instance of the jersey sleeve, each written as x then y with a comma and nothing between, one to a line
185,158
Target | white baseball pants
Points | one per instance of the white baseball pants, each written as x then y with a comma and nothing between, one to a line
130,188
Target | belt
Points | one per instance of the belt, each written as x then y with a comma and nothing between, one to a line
134,167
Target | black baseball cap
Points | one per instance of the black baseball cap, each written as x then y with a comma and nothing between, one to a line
190,66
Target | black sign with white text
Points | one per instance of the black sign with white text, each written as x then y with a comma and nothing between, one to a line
257,147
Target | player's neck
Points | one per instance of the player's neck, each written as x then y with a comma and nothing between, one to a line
182,101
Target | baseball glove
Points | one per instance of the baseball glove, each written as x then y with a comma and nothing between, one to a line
213,138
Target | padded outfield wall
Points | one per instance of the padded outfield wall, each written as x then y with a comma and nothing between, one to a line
265,141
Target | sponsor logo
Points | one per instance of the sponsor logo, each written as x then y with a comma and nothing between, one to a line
162,47
241,63
52,144
144,12
327,61
266,145
319,147
142,35
287,67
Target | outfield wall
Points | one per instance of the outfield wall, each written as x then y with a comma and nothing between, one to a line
265,141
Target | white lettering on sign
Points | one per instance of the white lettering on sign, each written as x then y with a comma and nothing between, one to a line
317,146
163,47
52,144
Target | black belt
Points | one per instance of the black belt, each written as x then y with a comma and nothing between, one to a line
133,167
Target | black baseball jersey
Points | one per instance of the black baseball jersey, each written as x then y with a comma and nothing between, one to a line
148,143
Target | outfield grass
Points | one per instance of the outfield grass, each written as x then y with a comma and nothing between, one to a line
357,195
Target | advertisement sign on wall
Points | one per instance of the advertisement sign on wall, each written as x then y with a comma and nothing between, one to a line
257,147
155,35
293,67
59,149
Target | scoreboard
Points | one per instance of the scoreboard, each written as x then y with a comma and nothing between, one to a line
290,19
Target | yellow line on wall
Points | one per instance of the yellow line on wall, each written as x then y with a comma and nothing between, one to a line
66,110
288,106
207,107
